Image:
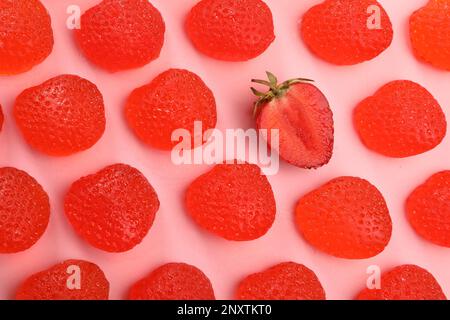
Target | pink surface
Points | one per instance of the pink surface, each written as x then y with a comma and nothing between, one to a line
174,237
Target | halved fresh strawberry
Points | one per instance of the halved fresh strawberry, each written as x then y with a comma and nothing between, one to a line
301,113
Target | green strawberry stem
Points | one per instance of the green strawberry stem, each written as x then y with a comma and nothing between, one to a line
275,90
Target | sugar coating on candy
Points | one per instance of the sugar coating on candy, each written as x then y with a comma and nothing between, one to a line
428,209
406,282
233,201
347,218
60,282
337,31
285,281
231,30
112,209
24,210
401,119
121,34
173,281
61,116
174,100
430,33
26,36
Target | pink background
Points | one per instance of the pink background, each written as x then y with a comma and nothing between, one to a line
174,237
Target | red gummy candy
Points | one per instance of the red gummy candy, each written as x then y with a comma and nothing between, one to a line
173,281
231,30
285,281
26,37
428,209
406,282
1,118
61,116
24,210
173,100
234,201
401,119
337,31
121,34
430,33
112,209
347,217
60,283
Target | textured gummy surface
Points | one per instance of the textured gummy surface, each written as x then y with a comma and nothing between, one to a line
231,30
234,201
430,33
121,34
24,210
347,217
428,209
337,31
52,284
305,123
173,100
61,116
1,118
285,281
173,232
406,282
26,36
112,209
173,281
401,119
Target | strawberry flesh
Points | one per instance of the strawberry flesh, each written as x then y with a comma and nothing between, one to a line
305,121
